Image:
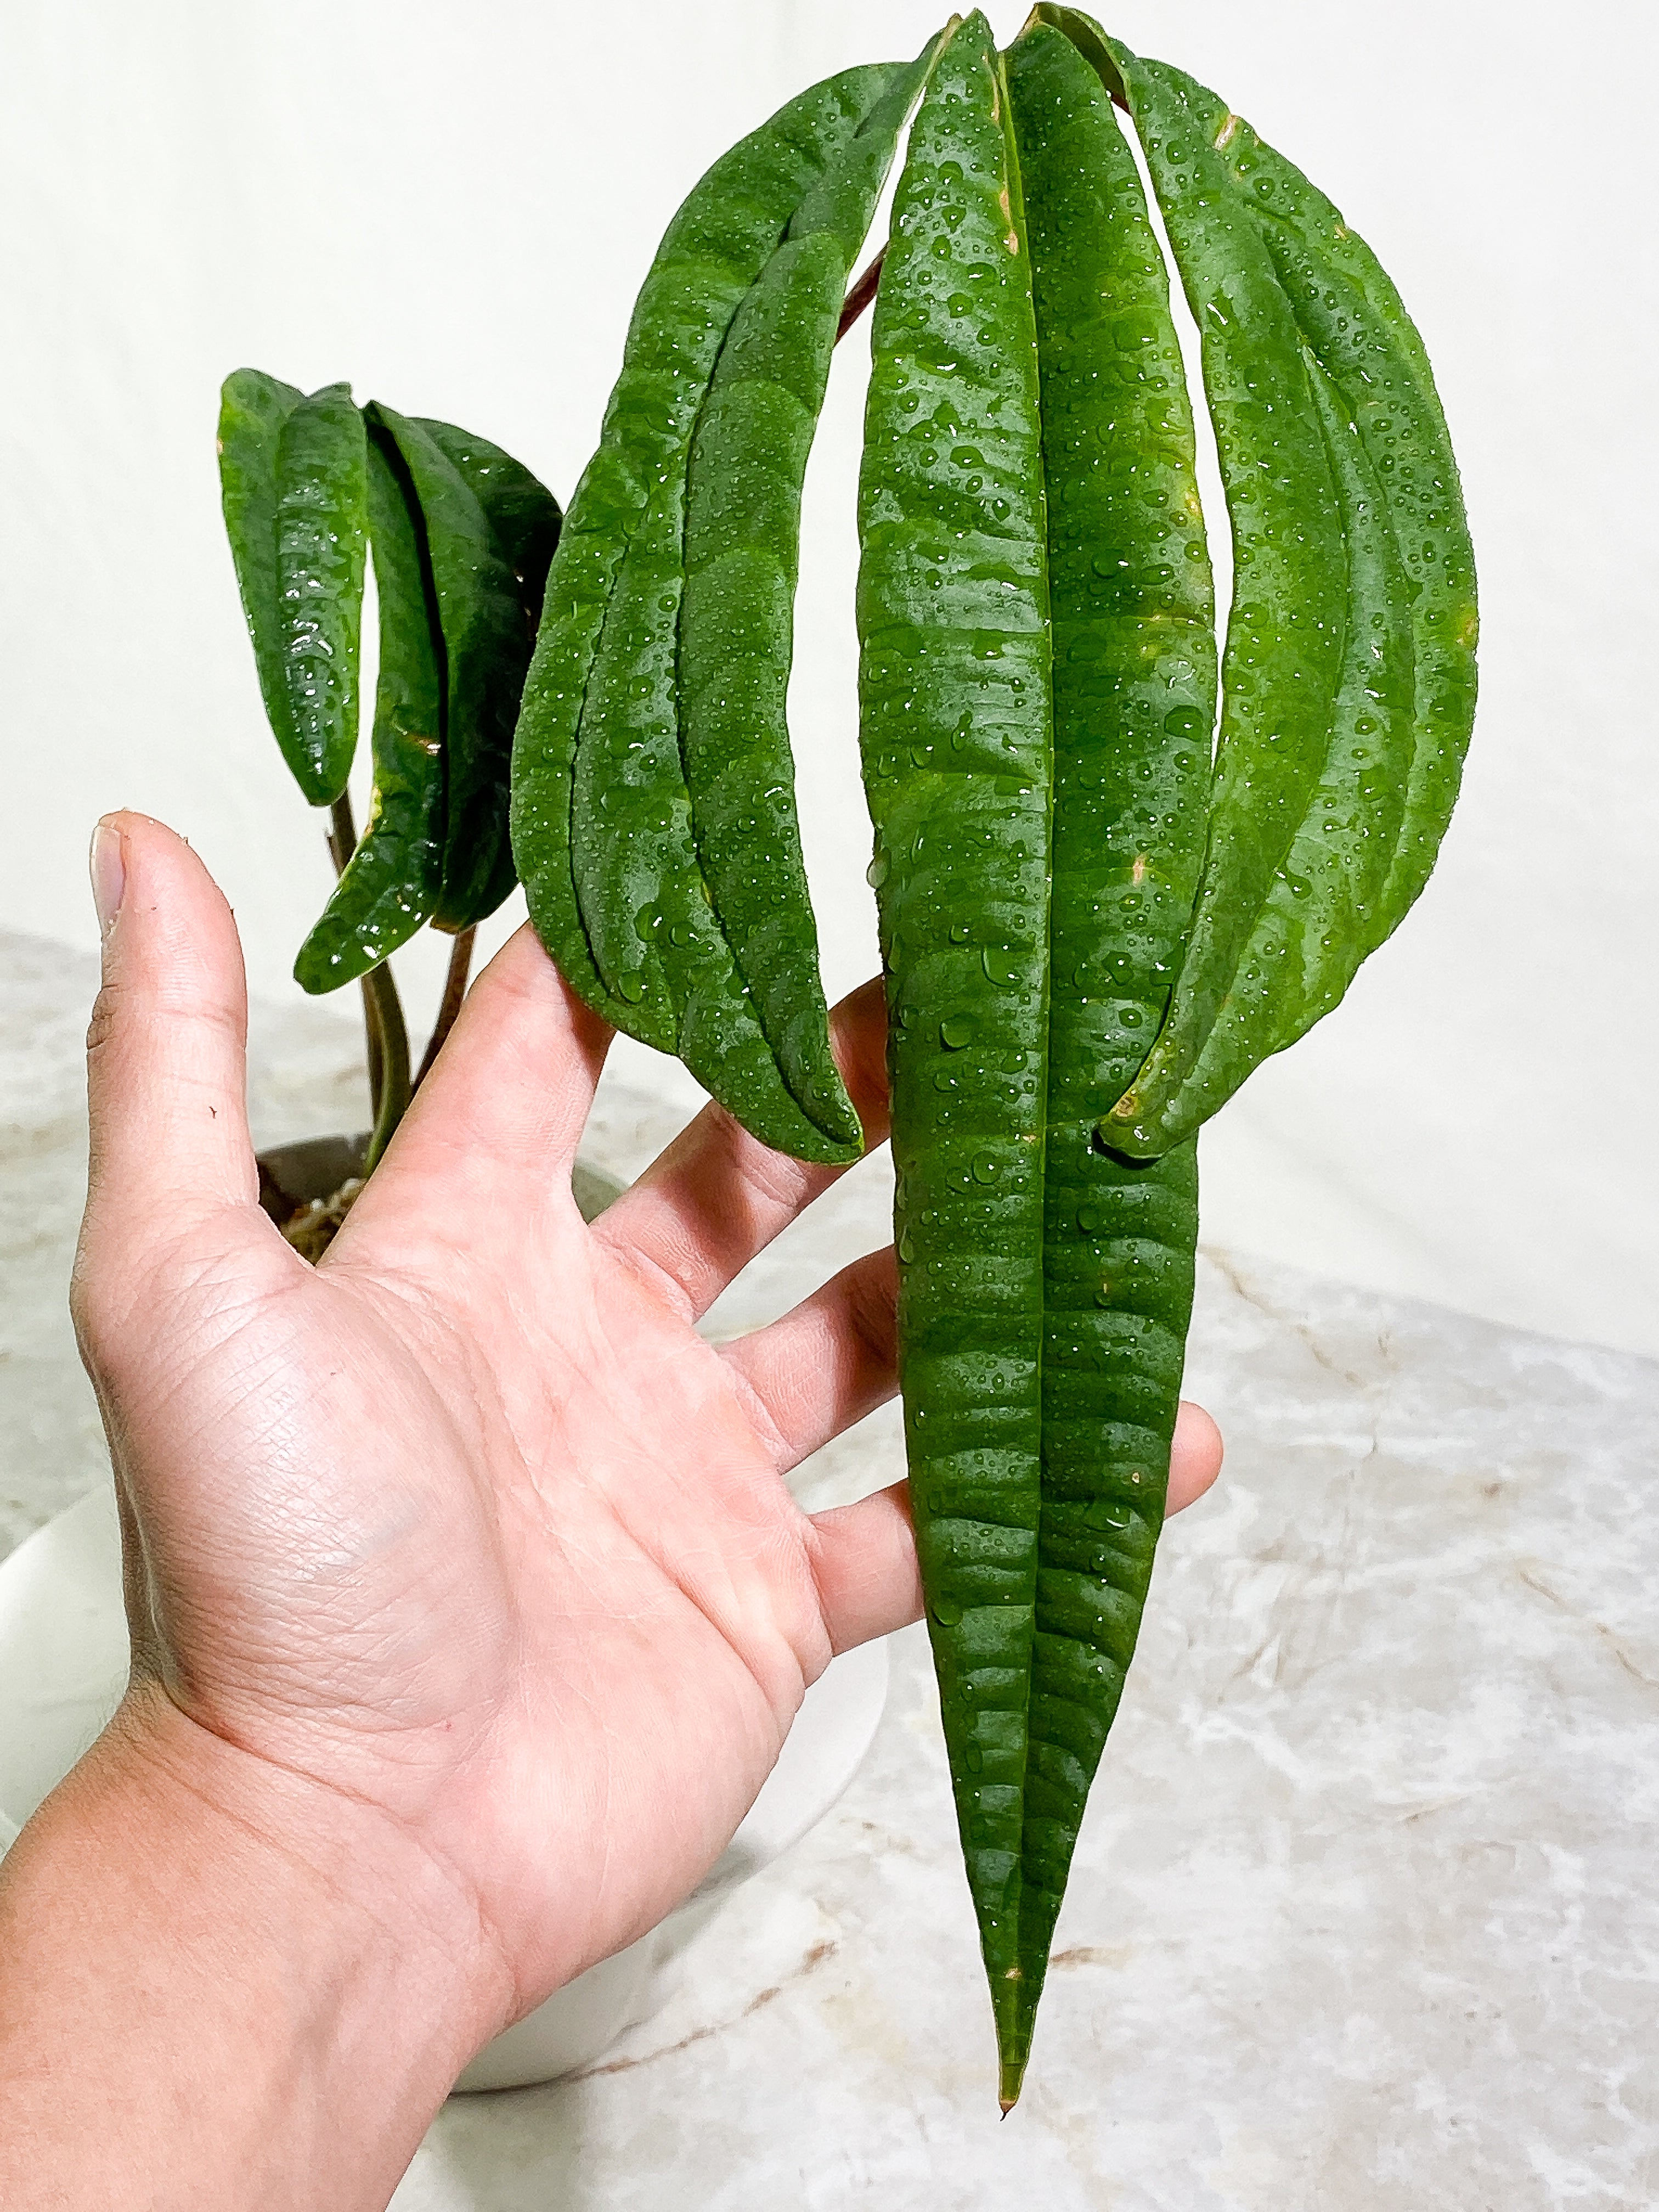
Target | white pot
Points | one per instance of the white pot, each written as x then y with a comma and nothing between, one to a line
63,1666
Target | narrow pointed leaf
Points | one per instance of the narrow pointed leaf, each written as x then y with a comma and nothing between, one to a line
602,815
1038,684
1134,692
322,525
1401,720
524,520
1354,320
252,409
957,741
486,652
390,884
1287,626
746,466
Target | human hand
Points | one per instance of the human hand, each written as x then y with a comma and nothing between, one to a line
466,1534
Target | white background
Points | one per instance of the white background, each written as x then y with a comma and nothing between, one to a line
451,205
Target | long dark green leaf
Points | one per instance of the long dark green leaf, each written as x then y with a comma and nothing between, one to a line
1039,685
602,817
1135,693
1287,628
253,408
1313,928
1401,721
742,537
322,530
957,732
390,884
486,652
1354,320
525,521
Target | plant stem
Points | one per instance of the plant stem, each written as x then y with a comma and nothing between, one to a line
863,291
342,844
389,1087
380,995
460,959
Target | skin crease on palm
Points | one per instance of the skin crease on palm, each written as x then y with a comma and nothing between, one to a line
467,1530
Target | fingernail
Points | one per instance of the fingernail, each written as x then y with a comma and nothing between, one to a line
107,862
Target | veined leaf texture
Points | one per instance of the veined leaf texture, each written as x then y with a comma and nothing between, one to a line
1114,869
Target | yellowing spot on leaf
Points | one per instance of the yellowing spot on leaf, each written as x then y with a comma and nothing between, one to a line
1009,240
1138,873
1224,137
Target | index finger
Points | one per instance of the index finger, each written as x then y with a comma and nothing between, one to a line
499,1118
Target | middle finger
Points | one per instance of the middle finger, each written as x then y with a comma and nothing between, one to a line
717,1196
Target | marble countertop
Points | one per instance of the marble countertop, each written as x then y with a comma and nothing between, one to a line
1364,1911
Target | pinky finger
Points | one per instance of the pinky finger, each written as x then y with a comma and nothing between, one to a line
1195,1457
864,1559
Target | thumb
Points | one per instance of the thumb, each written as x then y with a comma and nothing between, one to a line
167,1068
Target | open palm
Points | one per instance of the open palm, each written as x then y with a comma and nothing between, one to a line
468,1525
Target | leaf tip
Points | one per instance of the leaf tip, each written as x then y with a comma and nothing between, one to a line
1012,2081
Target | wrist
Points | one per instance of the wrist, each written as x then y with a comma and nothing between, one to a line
362,1881
234,1971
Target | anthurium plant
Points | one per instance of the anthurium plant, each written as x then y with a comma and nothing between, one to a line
1115,870
461,537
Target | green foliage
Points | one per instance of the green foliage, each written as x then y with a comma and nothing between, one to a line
1098,911
653,788
322,496
957,722
461,535
1354,589
486,643
389,888
292,474
1093,926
